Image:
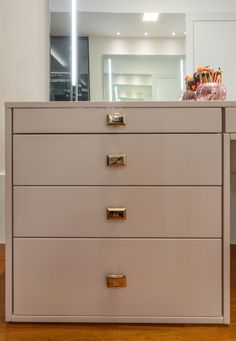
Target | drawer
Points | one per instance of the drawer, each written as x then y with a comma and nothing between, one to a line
94,120
59,277
152,159
150,211
230,120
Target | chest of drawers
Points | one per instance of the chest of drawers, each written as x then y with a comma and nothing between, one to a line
116,213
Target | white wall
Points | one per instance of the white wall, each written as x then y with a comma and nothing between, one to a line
218,53
139,6
99,46
24,66
210,41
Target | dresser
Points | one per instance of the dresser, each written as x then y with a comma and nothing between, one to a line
117,212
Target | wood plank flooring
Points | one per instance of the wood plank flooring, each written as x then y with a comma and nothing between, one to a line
123,332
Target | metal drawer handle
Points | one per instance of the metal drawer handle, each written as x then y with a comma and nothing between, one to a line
116,160
116,281
116,213
116,119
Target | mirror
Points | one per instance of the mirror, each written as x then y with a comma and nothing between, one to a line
122,57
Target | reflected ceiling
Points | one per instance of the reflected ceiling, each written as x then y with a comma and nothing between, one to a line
129,25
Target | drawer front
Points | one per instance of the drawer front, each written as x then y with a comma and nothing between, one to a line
150,211
164,159
163,277
230,120
94,120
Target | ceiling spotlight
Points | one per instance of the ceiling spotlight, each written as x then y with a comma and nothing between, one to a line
173,34
185,32
146,33
118,33
150,16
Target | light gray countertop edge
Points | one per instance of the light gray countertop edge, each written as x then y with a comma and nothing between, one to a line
154,104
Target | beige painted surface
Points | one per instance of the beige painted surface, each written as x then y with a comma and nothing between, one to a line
8,215
139,120
233,157
233,210
226,228
153,159
2,208
164,277
151,211
230,120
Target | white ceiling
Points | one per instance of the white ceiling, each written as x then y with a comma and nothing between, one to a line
129,25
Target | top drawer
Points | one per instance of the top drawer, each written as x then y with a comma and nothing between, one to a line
230,120
94,120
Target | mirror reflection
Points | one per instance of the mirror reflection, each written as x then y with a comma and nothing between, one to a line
120,57
143,77
113,56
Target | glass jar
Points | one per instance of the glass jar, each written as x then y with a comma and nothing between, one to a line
211,92
189,95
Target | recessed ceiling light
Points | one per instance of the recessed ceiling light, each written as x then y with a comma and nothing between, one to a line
185,32
146,33
153,16
118,33
173,34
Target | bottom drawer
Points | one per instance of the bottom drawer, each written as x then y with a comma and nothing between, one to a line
172,277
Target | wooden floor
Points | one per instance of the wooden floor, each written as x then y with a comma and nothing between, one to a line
124,332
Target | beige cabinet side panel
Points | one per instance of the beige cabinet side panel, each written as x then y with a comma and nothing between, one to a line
233,156
226,228
153,159
167,278
9,222
76,211
230,120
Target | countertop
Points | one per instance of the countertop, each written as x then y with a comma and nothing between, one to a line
154,104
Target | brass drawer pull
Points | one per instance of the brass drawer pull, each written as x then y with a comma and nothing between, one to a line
116,213
116,281
116,160
116,119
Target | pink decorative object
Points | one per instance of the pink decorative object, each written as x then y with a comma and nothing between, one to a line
214,91
189,95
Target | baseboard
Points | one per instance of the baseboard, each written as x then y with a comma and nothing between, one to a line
2,208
